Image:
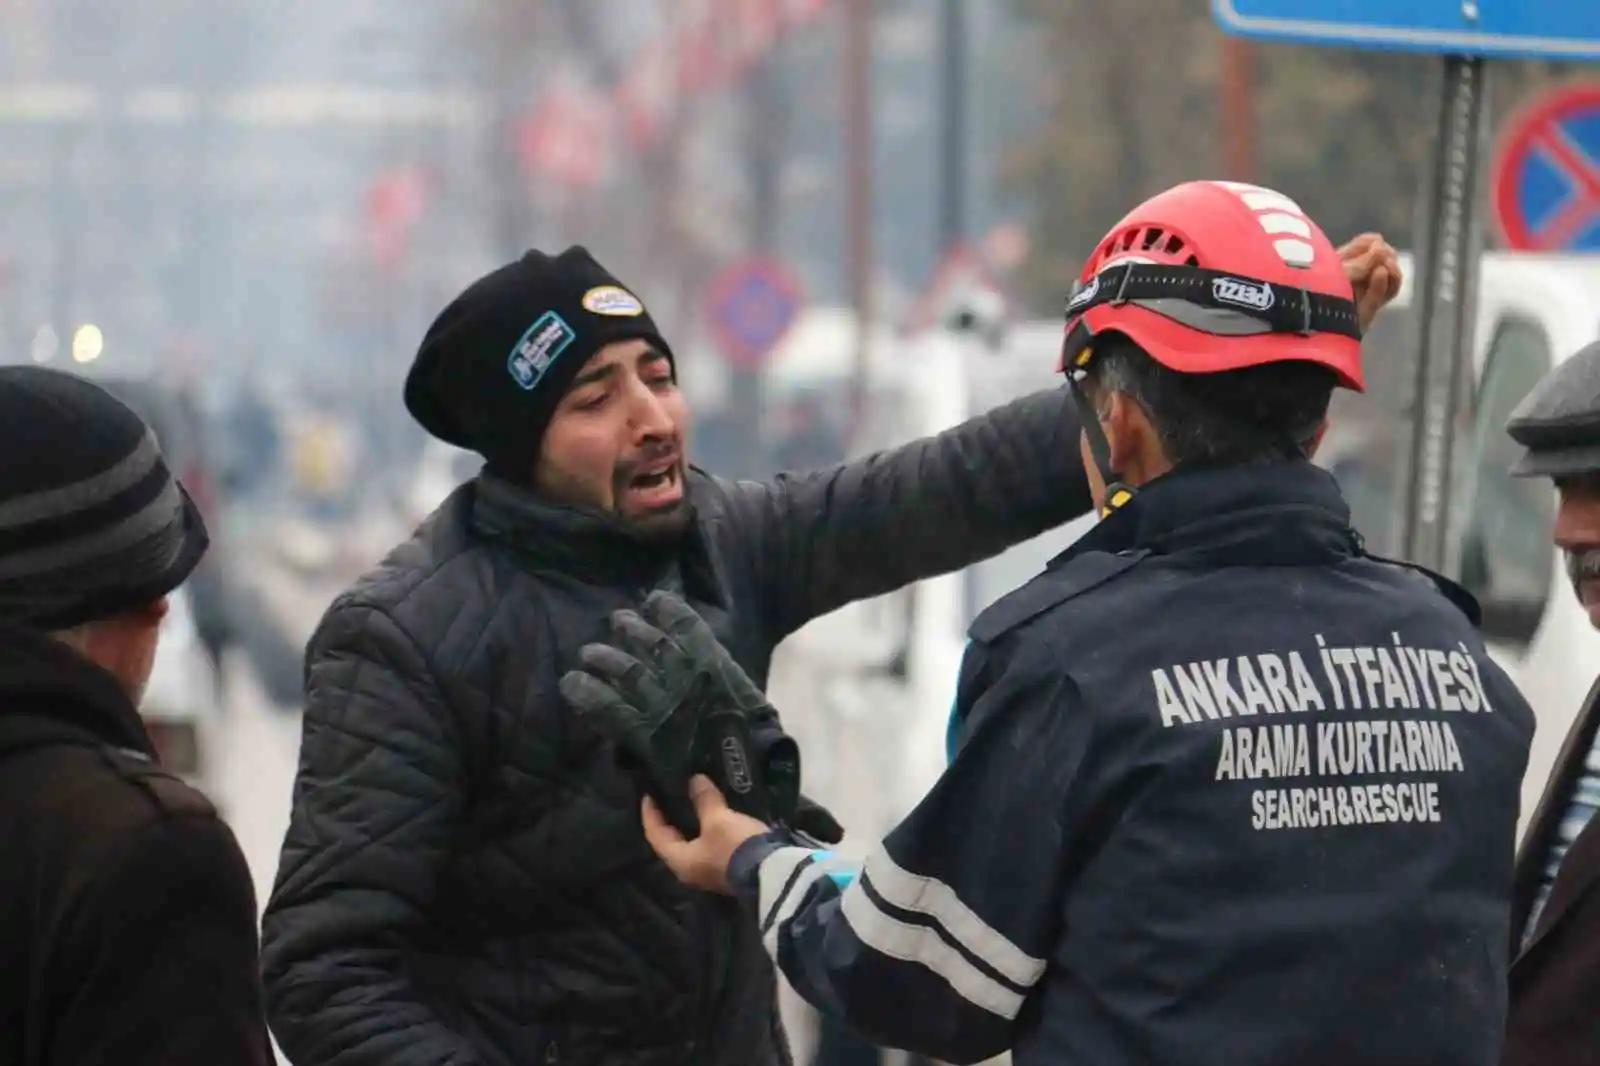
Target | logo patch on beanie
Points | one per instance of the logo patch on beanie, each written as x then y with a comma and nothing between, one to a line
545,340
613,301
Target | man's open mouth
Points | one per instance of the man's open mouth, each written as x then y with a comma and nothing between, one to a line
654,479
656,485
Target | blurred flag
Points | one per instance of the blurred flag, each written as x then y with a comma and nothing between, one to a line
394,203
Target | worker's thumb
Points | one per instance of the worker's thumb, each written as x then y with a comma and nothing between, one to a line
706,798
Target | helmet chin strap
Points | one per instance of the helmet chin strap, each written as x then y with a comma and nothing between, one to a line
1118,493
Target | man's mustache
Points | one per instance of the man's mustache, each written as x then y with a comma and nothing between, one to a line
1583,564
628,468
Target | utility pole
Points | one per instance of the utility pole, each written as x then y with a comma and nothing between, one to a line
766,116
953,148
509,214
858,189
767,129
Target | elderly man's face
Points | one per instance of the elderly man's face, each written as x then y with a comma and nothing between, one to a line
1577,534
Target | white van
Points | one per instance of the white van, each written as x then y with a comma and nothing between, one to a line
876,678
1533,311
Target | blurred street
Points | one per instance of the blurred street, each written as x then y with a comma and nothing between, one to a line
853,224
255,767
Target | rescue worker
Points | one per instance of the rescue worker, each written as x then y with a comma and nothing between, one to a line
1555,914
1225,788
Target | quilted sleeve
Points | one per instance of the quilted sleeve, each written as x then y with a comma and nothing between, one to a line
377,805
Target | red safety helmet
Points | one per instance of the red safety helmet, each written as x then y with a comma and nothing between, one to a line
1218,275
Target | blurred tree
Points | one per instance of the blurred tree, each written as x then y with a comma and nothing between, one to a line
640,218
509,40
1132,98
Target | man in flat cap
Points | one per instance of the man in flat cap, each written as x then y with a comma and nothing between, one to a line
464,878
127,913
1555,920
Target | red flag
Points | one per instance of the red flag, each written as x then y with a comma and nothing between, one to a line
566,137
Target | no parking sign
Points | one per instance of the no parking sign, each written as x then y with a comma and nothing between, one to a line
751,305
1546,182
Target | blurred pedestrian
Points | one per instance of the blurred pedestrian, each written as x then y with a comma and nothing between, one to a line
127,913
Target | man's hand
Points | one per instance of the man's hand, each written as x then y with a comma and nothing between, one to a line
689,633
675,703
816,822
1373,268
702,862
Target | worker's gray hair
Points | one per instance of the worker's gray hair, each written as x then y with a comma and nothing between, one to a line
1251,415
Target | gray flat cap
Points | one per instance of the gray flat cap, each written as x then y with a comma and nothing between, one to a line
1559,421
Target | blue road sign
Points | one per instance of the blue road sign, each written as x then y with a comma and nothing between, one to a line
1546,181
1515,29
752,304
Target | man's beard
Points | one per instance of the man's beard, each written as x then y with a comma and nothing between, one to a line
662,527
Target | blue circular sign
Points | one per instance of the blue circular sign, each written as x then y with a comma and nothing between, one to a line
1547,176
752,305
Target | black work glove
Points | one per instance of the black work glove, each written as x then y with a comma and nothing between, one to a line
673,698
777,756
653,719
670,720
814,820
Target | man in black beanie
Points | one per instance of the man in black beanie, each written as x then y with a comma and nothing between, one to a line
464,879
127,913
528,396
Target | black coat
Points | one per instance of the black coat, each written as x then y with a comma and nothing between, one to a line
464,878
1555,980
127,916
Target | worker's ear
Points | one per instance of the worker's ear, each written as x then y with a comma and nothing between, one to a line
1316,440
1127,428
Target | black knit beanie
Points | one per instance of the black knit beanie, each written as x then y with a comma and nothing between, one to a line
92,522
497,360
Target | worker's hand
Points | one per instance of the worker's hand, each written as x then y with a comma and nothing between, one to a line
1373,268
702,862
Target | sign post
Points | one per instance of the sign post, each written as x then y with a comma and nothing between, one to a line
1464,32
1450,242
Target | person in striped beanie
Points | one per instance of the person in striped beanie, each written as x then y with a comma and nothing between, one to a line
127,913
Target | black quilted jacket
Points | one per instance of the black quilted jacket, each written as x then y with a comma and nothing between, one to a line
464,879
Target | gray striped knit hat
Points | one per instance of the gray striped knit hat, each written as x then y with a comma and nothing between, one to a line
92,522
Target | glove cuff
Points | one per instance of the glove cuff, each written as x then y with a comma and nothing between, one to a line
778,758
728,758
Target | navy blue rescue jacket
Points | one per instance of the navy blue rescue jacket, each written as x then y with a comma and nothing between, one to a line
1228,791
